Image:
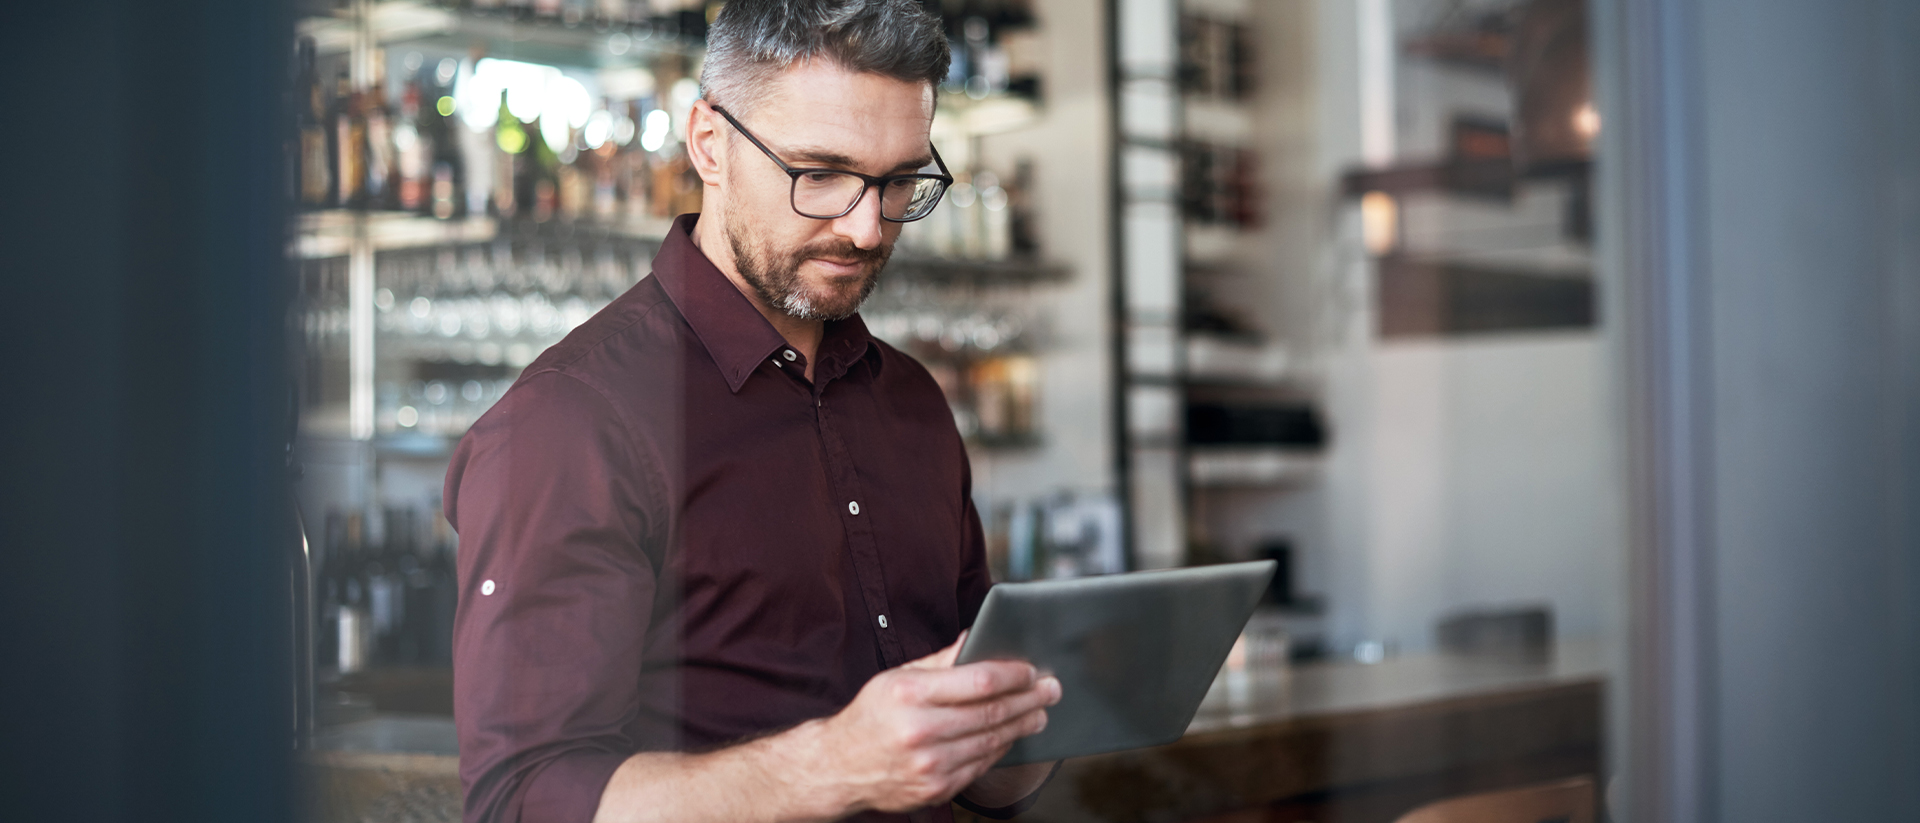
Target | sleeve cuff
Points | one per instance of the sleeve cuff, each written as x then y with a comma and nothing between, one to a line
568,790
1021,805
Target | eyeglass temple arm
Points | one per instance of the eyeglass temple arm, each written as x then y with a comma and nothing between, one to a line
938,161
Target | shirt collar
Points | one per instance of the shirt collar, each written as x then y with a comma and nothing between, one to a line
735,334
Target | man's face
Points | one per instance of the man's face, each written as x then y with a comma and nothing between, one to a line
820,116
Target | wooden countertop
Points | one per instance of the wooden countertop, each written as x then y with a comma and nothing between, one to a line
1274,694
1351,742
1347,741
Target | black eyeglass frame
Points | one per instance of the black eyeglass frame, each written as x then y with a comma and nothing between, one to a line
793,175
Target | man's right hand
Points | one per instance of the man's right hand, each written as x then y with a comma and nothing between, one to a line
918,734
914,736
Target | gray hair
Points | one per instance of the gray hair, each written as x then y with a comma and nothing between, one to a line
753,41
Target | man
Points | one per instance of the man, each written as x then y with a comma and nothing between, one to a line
717,545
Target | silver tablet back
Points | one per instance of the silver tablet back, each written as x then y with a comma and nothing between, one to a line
1135,653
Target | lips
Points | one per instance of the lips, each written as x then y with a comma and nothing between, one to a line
843,266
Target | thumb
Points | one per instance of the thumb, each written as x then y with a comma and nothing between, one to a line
942,659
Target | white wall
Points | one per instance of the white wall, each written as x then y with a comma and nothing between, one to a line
1478,473
1464,471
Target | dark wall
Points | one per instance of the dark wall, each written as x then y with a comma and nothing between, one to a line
1812,191
142,597
1769,194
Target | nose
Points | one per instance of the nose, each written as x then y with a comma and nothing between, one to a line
862,226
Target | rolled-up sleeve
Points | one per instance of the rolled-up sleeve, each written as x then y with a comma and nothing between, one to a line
548,494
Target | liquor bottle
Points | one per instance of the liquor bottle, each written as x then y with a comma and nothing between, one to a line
351,625
477,149
381,578
328,591
316,180
597,176
409,582
510,140
349,137
414,146
1025,224
381,168
634,169
441,569
541,169
443,131
574,179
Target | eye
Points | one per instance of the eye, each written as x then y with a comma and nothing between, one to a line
819,177
902,184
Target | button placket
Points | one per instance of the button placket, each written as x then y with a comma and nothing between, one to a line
862,545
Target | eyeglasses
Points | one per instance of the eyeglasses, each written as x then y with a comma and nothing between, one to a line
826,194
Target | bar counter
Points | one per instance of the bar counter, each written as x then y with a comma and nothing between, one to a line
1325,742
1351,742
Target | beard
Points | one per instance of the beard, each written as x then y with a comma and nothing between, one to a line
774,273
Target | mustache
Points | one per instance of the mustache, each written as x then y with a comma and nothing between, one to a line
845,251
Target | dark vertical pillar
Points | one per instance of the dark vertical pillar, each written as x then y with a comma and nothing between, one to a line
1770,195
143,633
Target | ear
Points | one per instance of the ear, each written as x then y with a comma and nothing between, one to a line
706,142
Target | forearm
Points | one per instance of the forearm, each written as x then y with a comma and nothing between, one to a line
1007,785
914,736
761,780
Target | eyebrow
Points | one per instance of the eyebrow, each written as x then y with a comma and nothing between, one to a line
796,156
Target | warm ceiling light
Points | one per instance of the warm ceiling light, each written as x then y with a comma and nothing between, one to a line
1379,222
1586,121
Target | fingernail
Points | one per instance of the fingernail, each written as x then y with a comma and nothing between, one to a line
1053,683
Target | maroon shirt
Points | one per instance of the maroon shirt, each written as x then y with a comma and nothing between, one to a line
671,540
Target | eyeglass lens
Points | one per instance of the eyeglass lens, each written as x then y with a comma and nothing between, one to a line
826,194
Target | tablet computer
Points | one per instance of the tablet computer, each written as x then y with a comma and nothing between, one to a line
1134,653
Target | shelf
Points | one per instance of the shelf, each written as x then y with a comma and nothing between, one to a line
1212,243
1428,298
536,40
1219,121
332,232
1224,466
1215,359
962,271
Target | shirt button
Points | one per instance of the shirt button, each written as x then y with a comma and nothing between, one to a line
790,355
853,507
486,587
883,621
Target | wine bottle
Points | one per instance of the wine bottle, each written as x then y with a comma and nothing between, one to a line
316,180
542,168
414,146
328,592
351,625
349,138
407,581
441,569
444,130
381,579
510,139
381,168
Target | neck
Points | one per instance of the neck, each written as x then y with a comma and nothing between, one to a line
803,335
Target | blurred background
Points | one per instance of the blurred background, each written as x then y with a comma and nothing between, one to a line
1564,353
